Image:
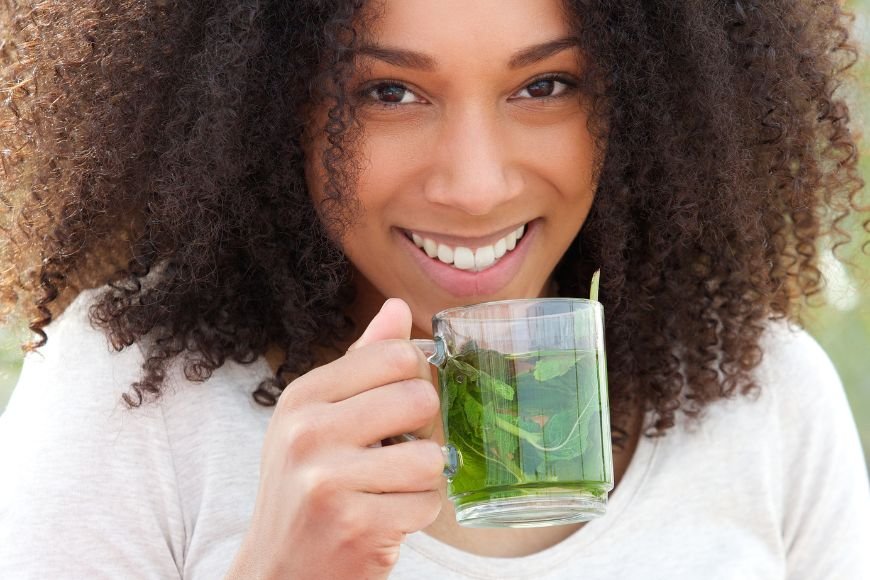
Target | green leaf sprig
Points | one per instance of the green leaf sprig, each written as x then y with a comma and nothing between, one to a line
593,287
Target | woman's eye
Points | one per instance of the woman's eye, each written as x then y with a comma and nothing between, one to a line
546,87
391,94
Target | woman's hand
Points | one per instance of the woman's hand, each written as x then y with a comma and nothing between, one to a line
330,505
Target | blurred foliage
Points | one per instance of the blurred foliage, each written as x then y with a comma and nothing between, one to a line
841,324
10,365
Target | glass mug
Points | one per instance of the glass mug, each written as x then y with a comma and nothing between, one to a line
525,411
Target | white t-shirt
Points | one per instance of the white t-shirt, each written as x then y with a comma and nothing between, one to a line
767,487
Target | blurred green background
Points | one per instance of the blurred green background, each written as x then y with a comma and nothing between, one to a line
841,324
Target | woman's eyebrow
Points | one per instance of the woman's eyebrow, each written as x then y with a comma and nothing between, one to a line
539,52
405,58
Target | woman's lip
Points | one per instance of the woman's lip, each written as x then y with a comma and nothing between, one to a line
463,283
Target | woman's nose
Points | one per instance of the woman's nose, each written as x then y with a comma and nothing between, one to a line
472,167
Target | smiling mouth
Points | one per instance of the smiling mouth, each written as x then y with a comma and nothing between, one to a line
465,258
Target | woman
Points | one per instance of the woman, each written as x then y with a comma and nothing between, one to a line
212,201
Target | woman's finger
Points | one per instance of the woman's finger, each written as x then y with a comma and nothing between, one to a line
387,411
408,512
364,368
407,467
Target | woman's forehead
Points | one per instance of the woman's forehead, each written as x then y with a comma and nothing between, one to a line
482,27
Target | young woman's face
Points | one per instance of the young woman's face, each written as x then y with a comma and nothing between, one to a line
477,165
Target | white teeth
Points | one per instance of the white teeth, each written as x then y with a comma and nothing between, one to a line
430,247
466,258
445,254
463,258
500,248
484,257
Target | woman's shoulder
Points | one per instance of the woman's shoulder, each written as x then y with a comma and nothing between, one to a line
77,365
787,344
76,459
797,371
794,383
74,456
798,409
818,457
79,369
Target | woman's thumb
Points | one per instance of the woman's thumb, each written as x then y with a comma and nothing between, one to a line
392,321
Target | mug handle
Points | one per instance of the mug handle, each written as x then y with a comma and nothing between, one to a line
436,354
435,350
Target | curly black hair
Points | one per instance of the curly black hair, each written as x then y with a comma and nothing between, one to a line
138,136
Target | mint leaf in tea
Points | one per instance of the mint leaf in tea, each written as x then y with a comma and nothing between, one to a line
524,420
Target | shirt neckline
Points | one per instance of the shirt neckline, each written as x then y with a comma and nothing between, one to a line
534,565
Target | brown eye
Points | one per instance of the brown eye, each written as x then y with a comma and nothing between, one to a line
541,88
391,93
547,87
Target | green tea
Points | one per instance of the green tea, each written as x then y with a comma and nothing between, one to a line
525,423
